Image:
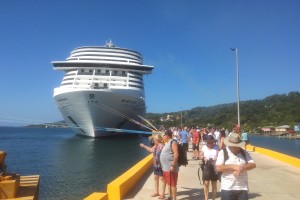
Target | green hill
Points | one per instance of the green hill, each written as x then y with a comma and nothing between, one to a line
278,109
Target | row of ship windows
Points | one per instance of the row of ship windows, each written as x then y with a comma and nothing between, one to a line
96,79
65,82
82,51
131,57
127,61
105,73
105,85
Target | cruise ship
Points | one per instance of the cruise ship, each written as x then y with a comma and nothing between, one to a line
102,92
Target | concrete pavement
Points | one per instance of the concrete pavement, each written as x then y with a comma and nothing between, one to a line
270,180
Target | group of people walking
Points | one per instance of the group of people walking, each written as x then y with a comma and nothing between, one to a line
222,156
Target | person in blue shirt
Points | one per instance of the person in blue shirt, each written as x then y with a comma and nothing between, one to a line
245,138
184,138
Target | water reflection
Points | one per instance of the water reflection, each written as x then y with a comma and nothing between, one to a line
92,163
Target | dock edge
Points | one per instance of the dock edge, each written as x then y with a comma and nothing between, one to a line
279,156
119,187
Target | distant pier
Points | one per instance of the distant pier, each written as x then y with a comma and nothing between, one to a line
290,137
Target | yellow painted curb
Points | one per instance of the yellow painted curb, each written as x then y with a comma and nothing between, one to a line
279,156
97,196
118,188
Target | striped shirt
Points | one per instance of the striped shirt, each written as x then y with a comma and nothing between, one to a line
228,180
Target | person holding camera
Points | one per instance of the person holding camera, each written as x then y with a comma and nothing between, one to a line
208,155
234,163
157,168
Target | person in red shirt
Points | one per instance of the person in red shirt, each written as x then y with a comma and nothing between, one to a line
196,142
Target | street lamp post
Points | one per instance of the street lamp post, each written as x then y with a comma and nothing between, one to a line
181,119
237,85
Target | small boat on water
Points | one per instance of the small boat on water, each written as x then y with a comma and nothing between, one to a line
102,92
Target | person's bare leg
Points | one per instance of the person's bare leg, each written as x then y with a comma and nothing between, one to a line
206,189
214,189
156,189
163,186
174,192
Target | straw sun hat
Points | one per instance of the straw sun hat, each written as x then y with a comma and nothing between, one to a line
234,140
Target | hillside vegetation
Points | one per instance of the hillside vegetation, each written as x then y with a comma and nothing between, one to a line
275,110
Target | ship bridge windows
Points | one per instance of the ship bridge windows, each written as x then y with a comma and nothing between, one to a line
85,72
100,72
119,73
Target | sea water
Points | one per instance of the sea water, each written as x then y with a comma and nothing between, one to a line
286,146
70,167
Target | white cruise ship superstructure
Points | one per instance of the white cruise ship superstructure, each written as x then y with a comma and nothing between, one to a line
102,90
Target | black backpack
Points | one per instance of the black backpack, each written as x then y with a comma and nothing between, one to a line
182,159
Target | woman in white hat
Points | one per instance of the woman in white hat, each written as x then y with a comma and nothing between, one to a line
234,162
208,155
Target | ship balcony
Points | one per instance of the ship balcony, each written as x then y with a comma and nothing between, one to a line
102,74
100,87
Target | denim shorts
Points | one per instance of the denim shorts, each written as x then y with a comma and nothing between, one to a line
234,194
158,171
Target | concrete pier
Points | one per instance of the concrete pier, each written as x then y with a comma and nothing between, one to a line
271,179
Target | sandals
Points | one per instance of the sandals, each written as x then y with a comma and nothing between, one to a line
161,197
154,195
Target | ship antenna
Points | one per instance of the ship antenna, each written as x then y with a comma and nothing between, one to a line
109,44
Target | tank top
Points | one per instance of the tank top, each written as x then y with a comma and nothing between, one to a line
167,157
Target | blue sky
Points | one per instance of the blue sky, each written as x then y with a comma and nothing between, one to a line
187,42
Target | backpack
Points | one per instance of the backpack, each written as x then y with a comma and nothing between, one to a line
208,170
242,151
182,159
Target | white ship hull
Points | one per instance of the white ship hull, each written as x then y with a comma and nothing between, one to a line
100,115
102,92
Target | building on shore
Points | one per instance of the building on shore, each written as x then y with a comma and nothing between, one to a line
278,130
